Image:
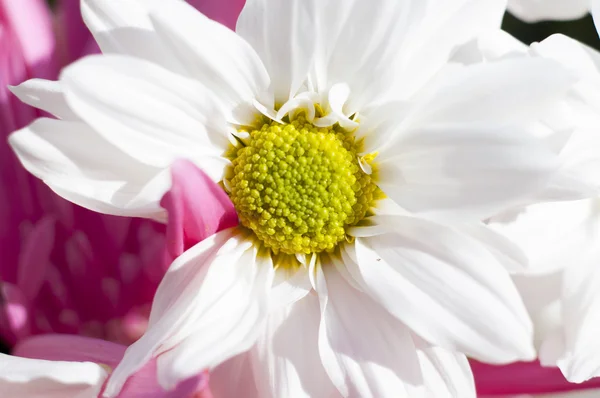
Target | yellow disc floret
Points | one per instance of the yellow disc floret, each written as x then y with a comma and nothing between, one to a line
298,186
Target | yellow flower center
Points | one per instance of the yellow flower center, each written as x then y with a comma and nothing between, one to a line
298,186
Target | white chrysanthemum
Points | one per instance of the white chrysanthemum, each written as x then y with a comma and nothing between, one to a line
561,285
344,138
540,10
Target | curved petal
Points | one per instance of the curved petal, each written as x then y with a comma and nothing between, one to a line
285,358
31,378
407,44
82,167
365,351
143,384
123,27
46,95
446,373
208,308
445,286
539,10
234,378
283,34
225,64
549,233
581,314
148,112
197,208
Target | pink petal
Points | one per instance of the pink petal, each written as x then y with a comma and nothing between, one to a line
35,257
197,207
14,313
142,384
31,21
523,378
223,11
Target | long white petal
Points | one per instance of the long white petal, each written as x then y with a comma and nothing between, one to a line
550,233
286,360
213,54
445,286
82,167
33,378
447,374
209,307
365,351
148,112
408,42
47,95
283,34
581,315
123,27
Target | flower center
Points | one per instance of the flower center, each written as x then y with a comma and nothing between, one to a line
298,186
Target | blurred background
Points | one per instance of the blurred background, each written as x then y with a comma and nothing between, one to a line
580,29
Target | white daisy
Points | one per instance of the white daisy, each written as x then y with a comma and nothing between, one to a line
317,117
561,285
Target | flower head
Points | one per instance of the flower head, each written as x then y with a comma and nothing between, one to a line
360,166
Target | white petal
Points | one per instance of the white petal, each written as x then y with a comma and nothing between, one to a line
148,112
541,294
550,233
46,95
537,10
464,149
283,34
581,315
33,378
509,254
82,167
286,358
445,286
123,27
447,374
289,285
221,60
465,173
234,378
209,307
365,351
408,42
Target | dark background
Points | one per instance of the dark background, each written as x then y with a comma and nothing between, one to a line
581,29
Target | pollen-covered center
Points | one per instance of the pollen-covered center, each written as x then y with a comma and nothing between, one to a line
298,186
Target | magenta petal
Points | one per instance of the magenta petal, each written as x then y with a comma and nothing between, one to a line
142,384
65,347
35,257
523,378
31,21
223,11
14,313
197,208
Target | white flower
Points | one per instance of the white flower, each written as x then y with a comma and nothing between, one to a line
561,239
539,10
33,378
309,115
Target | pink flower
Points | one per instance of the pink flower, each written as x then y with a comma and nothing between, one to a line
197,209
523,378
